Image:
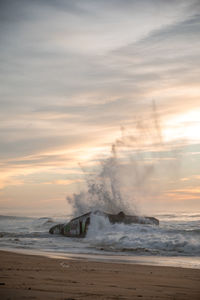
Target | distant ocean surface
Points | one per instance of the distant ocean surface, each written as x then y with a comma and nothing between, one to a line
178,235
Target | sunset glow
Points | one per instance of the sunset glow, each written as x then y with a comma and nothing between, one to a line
78,77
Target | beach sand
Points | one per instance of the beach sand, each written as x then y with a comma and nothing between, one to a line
37,277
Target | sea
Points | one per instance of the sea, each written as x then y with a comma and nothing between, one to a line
175,242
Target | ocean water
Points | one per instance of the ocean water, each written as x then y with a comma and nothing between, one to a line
177,236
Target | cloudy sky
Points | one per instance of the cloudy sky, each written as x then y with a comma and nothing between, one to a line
76,76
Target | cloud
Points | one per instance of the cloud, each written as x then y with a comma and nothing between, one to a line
166,56
10,182
73,72
184,194
64,181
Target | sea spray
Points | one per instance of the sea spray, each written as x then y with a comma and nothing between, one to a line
177,235
130,174
142,239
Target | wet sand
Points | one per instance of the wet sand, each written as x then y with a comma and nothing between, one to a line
36,277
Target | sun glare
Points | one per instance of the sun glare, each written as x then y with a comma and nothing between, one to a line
184,126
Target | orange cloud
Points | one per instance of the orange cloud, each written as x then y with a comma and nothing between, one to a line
63,182
10,182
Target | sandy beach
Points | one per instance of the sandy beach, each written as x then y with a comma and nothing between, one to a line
36,277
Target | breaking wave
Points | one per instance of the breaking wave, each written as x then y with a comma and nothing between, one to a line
177,235
142,239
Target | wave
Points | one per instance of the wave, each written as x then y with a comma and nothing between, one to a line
142,238
4,234
5,217
171,238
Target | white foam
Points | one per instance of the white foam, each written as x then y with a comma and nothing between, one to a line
173,237
142,238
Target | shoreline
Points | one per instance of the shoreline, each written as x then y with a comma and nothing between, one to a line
41,277
192,262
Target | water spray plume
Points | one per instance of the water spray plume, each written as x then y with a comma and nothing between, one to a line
126,177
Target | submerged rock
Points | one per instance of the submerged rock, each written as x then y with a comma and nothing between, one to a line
78,227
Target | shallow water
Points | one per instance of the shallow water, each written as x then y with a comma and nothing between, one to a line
175,240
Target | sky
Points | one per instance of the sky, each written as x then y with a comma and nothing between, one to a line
79,76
